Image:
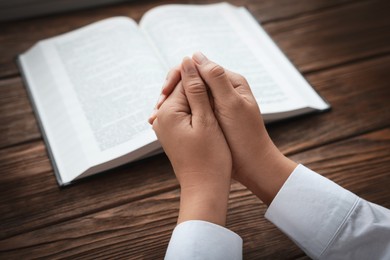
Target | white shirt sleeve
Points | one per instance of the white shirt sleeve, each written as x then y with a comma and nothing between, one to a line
329,222
196,239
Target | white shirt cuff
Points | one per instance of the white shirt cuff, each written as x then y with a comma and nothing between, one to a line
196,239
310,209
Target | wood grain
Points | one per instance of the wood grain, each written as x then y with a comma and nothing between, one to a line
334,36
359,164
18,123
359,96
271,11
141,229
17,37
341,46
30,197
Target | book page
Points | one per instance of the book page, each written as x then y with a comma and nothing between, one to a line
108,79
278,64
217,31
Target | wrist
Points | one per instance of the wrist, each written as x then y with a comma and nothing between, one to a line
207,203
268,174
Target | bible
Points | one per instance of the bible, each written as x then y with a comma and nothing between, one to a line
94,88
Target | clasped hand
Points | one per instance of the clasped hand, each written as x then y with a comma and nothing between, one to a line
211,129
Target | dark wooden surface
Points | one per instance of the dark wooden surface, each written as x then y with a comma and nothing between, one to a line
342,47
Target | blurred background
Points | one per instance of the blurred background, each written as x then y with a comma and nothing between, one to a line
17,9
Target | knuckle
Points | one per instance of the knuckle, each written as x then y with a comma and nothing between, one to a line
195,87
172,73
237,79
175,70
216,70
242,79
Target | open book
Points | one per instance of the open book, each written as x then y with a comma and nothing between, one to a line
94,88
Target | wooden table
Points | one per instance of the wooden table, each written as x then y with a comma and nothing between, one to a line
342,47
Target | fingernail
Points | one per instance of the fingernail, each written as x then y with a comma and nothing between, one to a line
199,58
160,100
188,65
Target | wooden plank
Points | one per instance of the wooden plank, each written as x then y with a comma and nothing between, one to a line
30,197
141,229
335,36
127,213
359,164
269,11
359,96
17,37
18,123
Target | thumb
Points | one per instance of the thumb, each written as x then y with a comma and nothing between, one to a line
196,92
215,77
